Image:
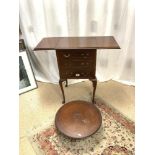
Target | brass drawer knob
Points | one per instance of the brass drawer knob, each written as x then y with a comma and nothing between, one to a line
66,55
77,74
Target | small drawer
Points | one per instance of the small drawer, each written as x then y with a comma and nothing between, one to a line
83,55
80,74
77,74
77,64
76,53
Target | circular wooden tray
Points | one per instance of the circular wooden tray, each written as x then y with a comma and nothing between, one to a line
78,119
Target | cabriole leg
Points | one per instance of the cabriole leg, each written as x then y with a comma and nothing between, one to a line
94,82
61,86
66,83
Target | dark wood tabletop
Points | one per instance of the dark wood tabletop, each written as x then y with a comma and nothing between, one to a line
78,119
98,42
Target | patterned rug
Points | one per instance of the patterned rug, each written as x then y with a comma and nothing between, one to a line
115,137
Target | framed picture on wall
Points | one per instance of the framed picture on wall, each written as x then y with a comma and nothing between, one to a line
27,80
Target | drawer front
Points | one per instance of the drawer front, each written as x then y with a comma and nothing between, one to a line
77,74
76,63
76,54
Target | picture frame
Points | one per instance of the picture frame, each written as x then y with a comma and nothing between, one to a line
27,80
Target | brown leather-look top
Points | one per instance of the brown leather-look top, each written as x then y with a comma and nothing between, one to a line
78,119
98,42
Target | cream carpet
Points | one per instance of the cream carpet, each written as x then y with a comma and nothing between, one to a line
40,104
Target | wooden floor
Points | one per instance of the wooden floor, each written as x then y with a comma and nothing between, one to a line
38,105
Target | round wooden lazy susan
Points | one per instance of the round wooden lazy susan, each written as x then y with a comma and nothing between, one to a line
78,119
